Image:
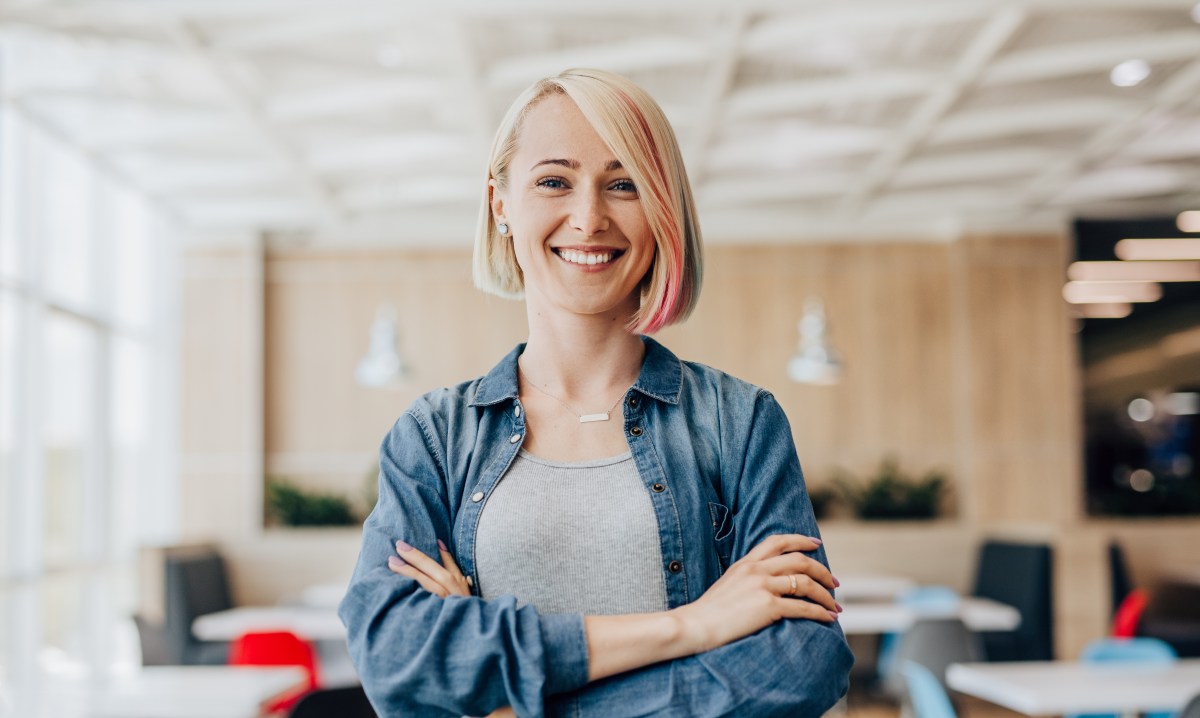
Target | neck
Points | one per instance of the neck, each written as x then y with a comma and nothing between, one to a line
581,359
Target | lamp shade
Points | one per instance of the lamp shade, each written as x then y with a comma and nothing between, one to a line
816,362
382,366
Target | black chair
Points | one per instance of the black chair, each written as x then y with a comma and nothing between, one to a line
1020,575
1173,615
196,584
349,702
1120,580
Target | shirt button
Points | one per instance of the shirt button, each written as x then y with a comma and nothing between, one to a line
658,488
674,567
517,411
477,496
633,401
636,431
514,438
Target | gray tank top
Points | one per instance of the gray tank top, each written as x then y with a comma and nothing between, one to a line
571,538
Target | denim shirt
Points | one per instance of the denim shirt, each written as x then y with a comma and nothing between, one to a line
718,462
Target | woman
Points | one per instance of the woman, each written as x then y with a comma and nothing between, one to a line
617,532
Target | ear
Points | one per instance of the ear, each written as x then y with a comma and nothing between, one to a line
496,199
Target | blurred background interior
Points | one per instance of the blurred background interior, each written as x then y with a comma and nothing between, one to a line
235,240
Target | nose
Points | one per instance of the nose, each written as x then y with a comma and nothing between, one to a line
589,214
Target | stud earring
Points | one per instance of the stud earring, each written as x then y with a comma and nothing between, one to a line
502,228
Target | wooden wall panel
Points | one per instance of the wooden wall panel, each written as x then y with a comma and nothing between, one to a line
958,356
1024,384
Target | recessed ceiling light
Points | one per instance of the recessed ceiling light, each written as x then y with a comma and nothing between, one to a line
1111,292
1130,73
1138,250
1134,271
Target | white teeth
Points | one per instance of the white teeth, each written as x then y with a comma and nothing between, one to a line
588,258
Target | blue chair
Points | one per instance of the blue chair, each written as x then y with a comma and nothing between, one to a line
926,697
1146,651
922,598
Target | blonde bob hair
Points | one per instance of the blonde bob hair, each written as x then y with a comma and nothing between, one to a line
634,127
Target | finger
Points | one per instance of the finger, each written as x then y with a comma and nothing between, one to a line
799,563
806,588
448,561
804,609
425,582
428,566
782,543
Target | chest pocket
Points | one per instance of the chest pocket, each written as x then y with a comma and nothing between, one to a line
722,524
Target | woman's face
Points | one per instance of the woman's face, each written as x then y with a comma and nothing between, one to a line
575,220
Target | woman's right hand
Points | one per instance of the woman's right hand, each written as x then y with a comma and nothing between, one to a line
771,582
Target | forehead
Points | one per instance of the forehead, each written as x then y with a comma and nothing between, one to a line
555,128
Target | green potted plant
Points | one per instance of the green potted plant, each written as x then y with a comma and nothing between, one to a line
890,494
291,505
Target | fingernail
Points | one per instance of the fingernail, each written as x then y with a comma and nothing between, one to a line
833,615
839,606
836,583
397,562
816,540
402,546
442,546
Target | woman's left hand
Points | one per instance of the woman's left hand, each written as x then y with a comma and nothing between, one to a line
444,579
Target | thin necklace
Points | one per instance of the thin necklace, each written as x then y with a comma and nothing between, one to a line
583,418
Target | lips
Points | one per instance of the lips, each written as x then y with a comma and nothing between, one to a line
587,257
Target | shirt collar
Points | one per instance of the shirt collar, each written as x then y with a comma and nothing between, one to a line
661,376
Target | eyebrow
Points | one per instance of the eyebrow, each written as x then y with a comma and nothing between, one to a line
574,164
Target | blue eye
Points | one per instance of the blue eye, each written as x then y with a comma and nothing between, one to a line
624,186
551,183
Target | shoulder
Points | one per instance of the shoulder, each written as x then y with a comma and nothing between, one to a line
463,403
704,382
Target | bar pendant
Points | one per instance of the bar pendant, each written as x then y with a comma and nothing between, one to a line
587,418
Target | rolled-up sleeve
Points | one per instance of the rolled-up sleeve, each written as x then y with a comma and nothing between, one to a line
418,654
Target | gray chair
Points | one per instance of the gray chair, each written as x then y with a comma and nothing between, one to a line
194,583
934,643
1192,709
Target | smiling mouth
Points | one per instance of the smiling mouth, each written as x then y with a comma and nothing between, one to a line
589,259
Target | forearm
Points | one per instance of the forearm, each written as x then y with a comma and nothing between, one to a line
617,644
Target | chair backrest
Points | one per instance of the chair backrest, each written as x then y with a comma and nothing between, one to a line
195,584
277,648
1129,614
348,702
926,697
934,643
1120,580
930,597
1139,650
1020,575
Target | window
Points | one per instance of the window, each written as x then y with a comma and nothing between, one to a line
85,268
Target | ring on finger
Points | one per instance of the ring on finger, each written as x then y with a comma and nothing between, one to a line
792,578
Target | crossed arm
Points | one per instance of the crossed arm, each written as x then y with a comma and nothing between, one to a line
758,590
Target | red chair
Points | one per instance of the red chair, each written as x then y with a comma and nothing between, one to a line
278,648
1129,613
